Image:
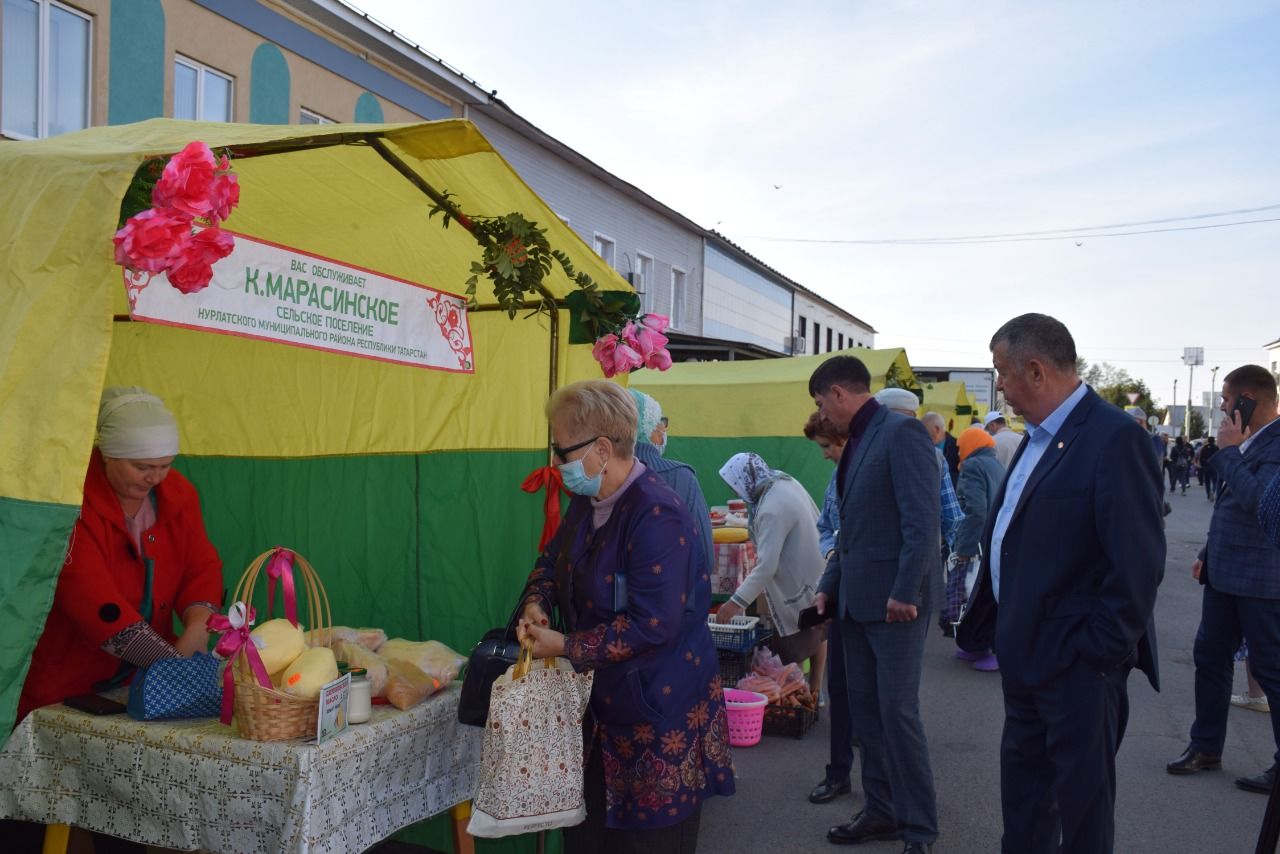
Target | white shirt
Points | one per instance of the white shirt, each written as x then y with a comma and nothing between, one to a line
1244,446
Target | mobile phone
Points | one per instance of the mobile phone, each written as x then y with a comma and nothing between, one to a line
1245,406
95,704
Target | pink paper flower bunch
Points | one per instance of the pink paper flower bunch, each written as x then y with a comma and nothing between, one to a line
195,189
639,344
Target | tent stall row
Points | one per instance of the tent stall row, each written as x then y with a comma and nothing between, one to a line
400,484
718,409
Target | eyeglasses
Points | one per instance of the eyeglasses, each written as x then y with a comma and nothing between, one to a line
562,454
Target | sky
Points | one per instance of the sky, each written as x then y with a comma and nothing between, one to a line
791,127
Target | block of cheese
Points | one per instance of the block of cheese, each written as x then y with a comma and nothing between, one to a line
279,642
309,672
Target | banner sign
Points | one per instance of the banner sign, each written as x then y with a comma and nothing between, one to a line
274,293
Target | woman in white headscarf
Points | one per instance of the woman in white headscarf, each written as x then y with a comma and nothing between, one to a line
138,557
783,521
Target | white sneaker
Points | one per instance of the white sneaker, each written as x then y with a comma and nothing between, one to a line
1256,704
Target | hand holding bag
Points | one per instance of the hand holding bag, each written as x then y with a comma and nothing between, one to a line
498,650
531,755
174,688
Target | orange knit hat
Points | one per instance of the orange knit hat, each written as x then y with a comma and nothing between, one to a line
973,439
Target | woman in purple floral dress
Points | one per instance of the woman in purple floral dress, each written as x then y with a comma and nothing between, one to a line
637,601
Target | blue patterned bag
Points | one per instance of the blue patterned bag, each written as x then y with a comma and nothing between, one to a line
177,688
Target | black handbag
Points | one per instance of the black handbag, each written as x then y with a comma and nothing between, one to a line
499,649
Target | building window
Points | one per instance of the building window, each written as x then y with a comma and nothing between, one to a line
841,341
308,117
199,92
45,69
678,279
604,247
817,337
644,282
829,339
804,322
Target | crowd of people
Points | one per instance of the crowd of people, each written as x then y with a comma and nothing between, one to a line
1039,552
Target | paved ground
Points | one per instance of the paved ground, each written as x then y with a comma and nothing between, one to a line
1155,812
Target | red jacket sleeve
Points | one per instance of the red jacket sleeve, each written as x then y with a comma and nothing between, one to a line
202,568
87,593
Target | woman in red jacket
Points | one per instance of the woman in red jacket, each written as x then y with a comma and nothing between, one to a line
138,557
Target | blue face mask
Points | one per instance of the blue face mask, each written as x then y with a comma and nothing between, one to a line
576,480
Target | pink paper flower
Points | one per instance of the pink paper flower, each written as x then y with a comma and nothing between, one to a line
187,180
648,342
193,269
224,195
152,240
656,322
615,355
658,360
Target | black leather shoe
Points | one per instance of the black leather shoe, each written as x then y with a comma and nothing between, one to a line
865,827
1262,784
1193,760
829,790
918,848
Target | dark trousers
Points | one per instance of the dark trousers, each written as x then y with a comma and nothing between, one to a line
1210,482
592,837
1058,762
1224,620
1173,478
841,764
882,665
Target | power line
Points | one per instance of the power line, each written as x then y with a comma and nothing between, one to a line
1077,233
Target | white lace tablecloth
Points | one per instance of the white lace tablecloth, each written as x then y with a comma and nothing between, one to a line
194,785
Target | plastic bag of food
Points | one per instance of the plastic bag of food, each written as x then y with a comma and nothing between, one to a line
431,657
408,685
356,655
370,639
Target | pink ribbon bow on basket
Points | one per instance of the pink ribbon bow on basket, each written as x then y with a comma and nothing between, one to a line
234,626
281,567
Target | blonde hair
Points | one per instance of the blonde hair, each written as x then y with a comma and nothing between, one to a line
597,408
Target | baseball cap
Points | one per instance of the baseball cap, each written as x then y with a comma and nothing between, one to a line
993,415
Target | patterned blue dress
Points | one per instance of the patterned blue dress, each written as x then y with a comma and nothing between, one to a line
657,703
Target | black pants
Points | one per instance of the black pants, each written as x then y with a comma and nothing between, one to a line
1057,762
592,837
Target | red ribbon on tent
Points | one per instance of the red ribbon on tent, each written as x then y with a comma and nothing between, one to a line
234,626
281,567
548,478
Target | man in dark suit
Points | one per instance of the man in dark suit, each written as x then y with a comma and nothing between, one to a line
1072,559
1240,572
882,583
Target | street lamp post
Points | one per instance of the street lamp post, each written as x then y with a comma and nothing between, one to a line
1213,389
1191,356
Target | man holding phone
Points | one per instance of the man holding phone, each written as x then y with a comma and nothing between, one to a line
1240,572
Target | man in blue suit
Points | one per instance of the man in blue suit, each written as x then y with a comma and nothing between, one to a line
1071,563
882,583
1240,571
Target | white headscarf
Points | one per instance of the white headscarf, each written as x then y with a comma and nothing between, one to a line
747,474
134,424
898,399
650,413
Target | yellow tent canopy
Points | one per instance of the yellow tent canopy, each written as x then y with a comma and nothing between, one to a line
950,400
389,477
717,409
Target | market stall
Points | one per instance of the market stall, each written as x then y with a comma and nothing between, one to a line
951,400
718,409
389,468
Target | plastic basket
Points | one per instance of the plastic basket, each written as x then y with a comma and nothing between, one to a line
740,635
789,721
733,666
745,711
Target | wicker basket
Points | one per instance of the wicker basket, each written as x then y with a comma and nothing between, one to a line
264,714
